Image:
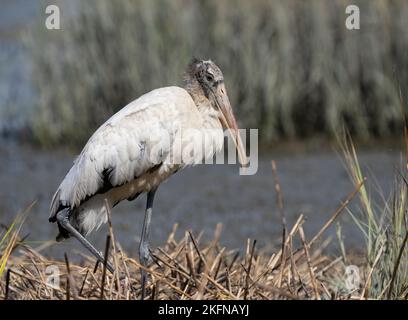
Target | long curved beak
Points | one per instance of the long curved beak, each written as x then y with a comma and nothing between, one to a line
229,122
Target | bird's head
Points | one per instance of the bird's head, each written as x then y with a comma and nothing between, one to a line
205,82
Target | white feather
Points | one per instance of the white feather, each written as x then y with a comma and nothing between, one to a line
125,144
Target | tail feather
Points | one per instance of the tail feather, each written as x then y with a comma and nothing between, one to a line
89,216
55,206
63,234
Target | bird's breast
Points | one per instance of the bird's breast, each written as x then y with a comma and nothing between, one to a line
196,145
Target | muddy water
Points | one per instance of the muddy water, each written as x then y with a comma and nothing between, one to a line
198,198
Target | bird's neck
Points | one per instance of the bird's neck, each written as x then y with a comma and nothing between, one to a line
195,90
210,126
204,106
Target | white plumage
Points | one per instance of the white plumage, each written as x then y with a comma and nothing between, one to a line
121,151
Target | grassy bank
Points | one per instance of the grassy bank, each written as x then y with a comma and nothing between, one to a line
292,68
185,269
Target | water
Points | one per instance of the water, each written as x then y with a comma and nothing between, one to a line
198,198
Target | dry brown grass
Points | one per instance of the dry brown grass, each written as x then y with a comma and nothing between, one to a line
189,269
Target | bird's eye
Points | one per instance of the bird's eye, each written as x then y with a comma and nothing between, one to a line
209,77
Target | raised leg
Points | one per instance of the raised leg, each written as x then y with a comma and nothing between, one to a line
144,248
63,219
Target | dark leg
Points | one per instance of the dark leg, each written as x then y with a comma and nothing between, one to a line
62,218
144,250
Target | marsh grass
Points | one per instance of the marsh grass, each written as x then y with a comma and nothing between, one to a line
9,238
182,269
292,68
186,268
384,227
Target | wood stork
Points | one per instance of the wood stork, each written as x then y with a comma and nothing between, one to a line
136,149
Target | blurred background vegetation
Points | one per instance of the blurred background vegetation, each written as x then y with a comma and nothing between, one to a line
292,68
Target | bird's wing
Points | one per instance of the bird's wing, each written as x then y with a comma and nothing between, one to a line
127,145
